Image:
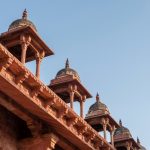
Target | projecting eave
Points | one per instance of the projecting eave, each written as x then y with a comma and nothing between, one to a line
69,79
134,143
112,121
12,37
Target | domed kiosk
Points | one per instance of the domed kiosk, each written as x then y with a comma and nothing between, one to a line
123,139
100,119
122,132
68,86
23,42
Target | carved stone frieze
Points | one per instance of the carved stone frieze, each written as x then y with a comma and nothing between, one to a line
38,92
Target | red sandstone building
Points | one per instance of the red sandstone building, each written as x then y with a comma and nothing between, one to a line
34,116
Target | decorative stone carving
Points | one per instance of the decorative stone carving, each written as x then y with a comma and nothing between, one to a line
5,63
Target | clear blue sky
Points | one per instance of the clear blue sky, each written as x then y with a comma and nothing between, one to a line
107,42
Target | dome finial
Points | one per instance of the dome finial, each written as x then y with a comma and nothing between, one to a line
120,122
25,14
67,64
138,141
97,97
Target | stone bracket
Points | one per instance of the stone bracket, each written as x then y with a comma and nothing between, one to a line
5,63
36,90
21,77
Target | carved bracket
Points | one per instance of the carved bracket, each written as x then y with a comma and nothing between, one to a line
90,136
62,112
82,130
50,140
72,121
25,39
35,127
50,101
36,90
21,77
5,63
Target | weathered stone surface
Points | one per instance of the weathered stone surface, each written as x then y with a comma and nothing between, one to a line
7,131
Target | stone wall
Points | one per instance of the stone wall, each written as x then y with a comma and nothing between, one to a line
8,130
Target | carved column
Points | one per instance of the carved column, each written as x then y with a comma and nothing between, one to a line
39,58
112,129
82,106
104,128
71,99
111,137
103,122
25,41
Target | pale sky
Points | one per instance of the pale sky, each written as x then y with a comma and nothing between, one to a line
107,43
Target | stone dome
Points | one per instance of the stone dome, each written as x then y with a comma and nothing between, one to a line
67,71
98,106
122,131
22,22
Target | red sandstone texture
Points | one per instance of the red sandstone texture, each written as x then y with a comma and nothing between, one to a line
8,139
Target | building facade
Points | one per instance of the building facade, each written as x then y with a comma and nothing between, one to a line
37,116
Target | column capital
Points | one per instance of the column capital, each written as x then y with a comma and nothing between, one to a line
39,56
103,121
70,88
83,98
24,38
75,87
112,128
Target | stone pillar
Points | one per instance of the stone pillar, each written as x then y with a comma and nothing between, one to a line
81,108
38,62
111,138
23,54
104,124
82,100
71,99
25,41
104,128
39,58
112,129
